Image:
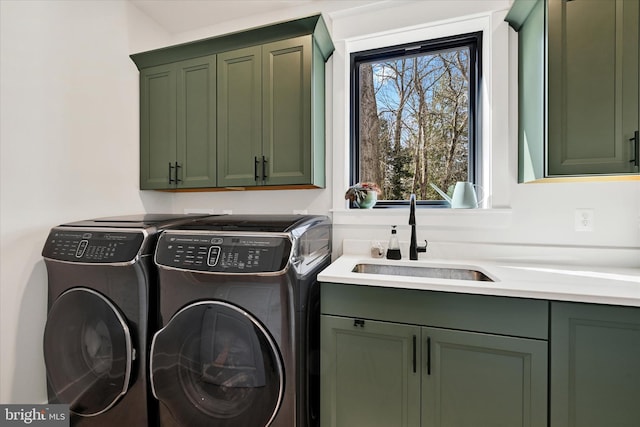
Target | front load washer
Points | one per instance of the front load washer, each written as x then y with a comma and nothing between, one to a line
101,316
239,307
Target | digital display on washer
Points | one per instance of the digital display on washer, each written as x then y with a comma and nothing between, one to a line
223,254
92,246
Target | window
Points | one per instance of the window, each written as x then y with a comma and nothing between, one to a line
414,117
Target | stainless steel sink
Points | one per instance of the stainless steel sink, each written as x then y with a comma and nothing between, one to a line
423,271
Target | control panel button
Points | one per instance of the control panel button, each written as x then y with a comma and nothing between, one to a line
214,254
81,248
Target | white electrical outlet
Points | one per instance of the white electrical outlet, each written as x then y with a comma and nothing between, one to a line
584,220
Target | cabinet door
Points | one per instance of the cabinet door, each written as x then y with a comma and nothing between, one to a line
473,379
593,86
286,110
370,373
196,123
157,126
595,366
240,117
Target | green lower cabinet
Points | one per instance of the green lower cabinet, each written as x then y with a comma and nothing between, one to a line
370,373
482,380
390,374
595,366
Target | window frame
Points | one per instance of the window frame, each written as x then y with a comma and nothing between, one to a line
472,40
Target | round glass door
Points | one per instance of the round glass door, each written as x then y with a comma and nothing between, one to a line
87,352
215,364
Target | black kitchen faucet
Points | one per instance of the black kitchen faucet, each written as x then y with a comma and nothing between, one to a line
414,249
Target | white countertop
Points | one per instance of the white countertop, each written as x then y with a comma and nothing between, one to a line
602,285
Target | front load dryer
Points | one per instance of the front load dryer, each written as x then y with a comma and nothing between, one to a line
101,312
239,307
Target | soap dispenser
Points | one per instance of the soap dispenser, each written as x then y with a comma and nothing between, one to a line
393,252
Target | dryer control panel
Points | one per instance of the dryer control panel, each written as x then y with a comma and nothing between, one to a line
92,246
219,253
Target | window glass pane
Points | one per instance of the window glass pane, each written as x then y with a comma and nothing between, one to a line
414,115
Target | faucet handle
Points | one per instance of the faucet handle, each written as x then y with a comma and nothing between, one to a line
421,249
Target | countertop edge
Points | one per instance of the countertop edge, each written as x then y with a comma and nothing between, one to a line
517,280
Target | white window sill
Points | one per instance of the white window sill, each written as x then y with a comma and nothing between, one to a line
442,218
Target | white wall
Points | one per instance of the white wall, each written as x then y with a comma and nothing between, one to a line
69,150
538,216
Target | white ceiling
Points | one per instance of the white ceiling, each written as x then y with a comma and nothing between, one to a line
178,16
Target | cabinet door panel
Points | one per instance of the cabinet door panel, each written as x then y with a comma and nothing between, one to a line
472,379
157,126
239,116
593,85
287,111
367,374
595,366
196,125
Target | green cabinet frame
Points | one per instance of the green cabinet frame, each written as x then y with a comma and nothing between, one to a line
595,365
255,118
418,358
477,379
178,125
271,120
369,375
579,91
239,116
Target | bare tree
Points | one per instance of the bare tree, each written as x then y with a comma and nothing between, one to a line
414,123
370,155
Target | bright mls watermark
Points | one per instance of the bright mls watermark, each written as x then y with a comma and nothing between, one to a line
34,415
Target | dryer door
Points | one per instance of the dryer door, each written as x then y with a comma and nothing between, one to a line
215,364
87,352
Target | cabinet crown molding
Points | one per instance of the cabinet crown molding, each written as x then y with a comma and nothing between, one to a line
311,25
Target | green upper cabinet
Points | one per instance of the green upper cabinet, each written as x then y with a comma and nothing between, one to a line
255,118
579,91
178,125
289,107
240,117
595,365
270,120
157,126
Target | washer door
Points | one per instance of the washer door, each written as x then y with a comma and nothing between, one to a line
215,364
87,352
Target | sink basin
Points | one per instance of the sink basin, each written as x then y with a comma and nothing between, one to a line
422,271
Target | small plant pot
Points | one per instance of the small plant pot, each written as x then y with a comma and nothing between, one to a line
369,201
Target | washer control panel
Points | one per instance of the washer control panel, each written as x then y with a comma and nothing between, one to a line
92,246
223,253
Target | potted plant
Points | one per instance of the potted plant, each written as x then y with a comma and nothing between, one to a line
363,194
